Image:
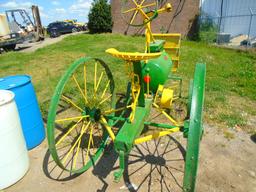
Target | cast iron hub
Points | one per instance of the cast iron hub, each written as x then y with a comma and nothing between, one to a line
94,113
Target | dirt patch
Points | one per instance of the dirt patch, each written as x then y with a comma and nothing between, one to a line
225,165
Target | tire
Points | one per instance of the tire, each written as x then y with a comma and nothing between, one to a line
54,33
9,47
74,30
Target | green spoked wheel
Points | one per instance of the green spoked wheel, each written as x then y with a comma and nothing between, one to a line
195,128
138,13
83,96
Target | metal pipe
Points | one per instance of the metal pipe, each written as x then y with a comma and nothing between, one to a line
250,26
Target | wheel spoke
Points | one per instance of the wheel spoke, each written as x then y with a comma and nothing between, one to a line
72,103
149,5
77,152
85,91
129,10
78,86
115,110
104,100
104,92
110,132
95,77
144,14
84,85
135,3
142,2
165,114
65,135
134,16
89,144
98,84
84,128
70,118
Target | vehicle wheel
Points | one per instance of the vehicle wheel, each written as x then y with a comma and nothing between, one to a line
195,130
54,34
9,47
78,114
74,30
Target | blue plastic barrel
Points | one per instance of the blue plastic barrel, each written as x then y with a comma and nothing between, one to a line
29,112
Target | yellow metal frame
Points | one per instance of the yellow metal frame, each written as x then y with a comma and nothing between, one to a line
133,57
156,135
171,46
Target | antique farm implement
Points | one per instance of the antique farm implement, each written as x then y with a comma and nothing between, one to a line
86,112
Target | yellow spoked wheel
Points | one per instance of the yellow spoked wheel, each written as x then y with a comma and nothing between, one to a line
138,12
77,115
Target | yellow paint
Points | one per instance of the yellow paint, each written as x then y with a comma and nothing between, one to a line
104,100
128,56
72,103
66,134
166,115
109,130
77,152
166,98
134,16
71,118
98,84
171,46
79,138
116,110
135,101
167,8
129,10
95,77
77,84
105,89
156,135
89,144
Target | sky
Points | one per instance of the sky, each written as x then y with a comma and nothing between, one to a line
51,11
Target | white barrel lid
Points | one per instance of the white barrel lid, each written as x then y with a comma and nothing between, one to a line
6,97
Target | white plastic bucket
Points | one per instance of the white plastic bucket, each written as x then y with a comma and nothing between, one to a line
14,161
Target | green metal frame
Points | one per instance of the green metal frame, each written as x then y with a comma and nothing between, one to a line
124,140
131,130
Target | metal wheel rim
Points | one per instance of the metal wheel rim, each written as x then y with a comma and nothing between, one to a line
52,116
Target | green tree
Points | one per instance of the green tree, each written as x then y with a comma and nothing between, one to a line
100,19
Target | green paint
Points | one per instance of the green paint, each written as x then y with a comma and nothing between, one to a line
130,131
160,125
156,46
137,69
53,109
118,174
195,129
159,70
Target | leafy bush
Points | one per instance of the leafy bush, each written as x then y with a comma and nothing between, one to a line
208,29
100,19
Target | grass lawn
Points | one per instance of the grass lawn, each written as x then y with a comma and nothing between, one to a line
230,99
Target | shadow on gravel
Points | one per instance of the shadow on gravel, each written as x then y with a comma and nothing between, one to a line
146,162
52,171
149,162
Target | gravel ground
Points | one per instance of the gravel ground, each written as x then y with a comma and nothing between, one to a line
31,47
225,166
